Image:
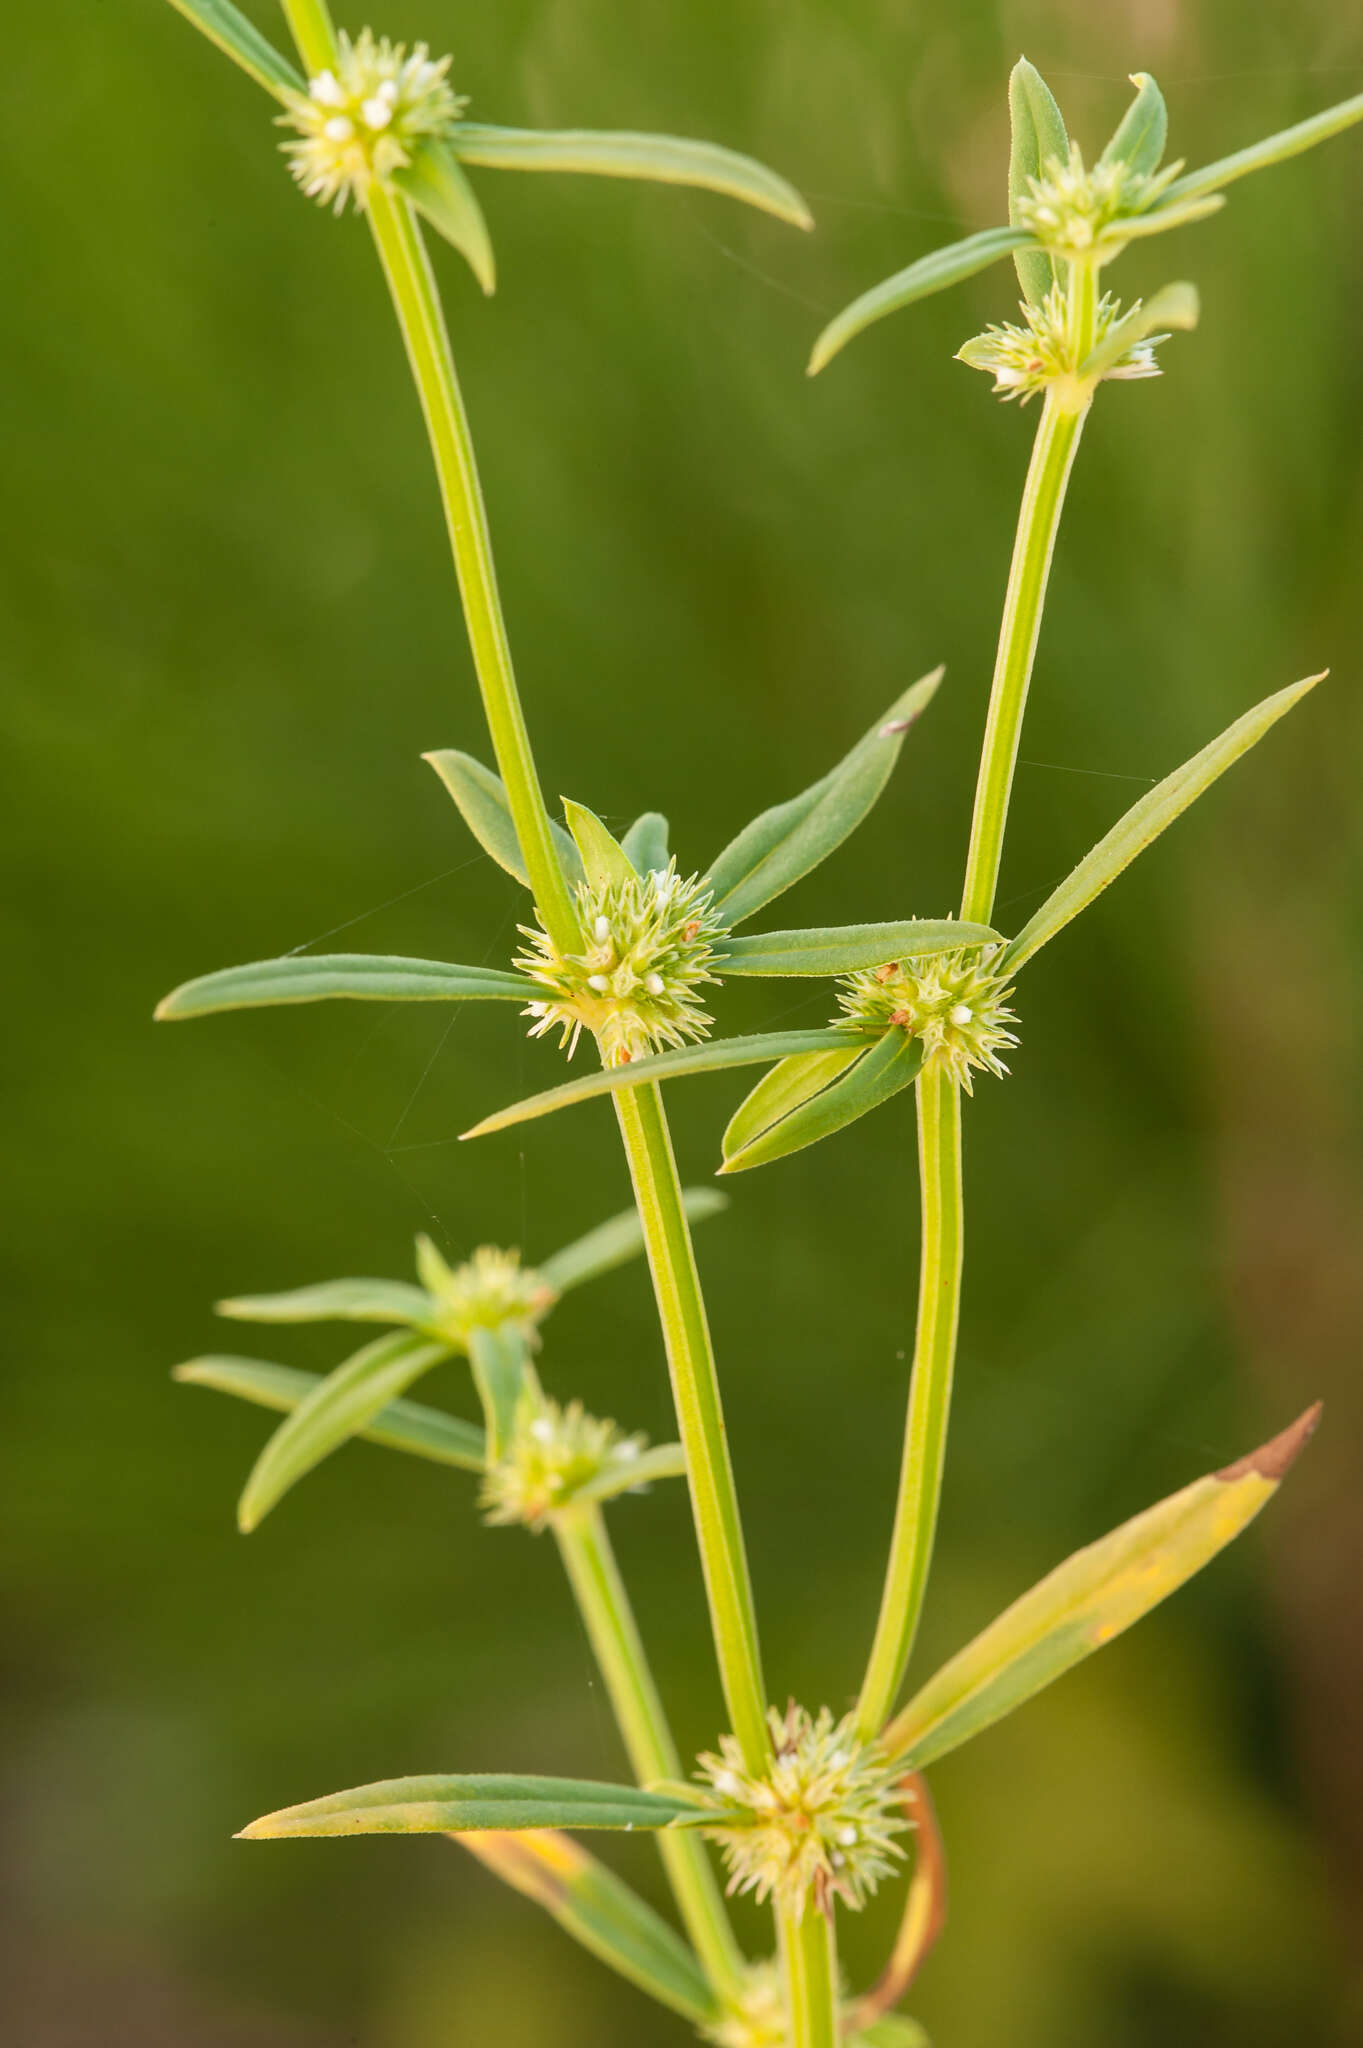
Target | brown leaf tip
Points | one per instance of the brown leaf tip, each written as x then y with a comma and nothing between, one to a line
895,725
1273,1459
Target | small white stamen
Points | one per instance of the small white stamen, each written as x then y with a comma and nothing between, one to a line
601,930
962,1014
377,112
542,1429
847,1836
340,128
389,91
728,1784
654,983
326,90
628,1449
837,1859
599,982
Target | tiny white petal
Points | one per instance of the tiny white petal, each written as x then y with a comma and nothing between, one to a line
601,930
728,1784
377,113
847,1836
542,1429
628,1449
599,982
654,983
340,128
326,90
962,1014
389,91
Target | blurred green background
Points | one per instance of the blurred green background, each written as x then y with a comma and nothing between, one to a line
229,631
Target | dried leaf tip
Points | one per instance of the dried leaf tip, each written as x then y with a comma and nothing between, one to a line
1275,1458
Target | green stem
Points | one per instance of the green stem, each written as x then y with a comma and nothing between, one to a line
925,1435
700,1417
808,1946
589,1560
311,28
1057,438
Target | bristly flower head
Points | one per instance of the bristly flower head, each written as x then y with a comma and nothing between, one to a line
488,1291
650,943
1075,211
363,120
553,1453
954,1002
1024,360
823,1821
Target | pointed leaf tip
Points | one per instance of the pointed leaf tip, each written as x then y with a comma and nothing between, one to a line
1276,1458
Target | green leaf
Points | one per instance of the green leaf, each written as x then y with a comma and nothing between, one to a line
790,1084
317,977
401,1426
500,1358
242,41
1038,134
592,1905
645,843
604,860
1142,131
1134,227
632,1475
438,189
930,274
1088,1600
1177,306
663,159
468,1804
886,1067
482,800
622,1238
341,1405
664,1066
784,843
840,949
1274,149
1144,822
347,1301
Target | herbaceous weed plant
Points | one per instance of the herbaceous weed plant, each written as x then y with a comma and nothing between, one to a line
626,946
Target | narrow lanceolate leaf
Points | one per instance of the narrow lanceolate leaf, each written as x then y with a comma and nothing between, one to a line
889,1065
1141,133
930,274
632,1475
1274,149
1177,306
604,860
839,949
1172,213
401,1426
242,41
1088,1600
468,1804
438,189
320,977
663,159
612,1244
593,1905
482,800
664,1066
344,1403
1144,822
786,842
1038,135
501,1360
345,1301
790,1084
645,843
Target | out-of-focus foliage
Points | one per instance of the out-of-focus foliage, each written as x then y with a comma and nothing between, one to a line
229,633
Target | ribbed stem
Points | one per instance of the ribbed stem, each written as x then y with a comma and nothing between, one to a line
700,1416
925,1434
809,1952
589,1560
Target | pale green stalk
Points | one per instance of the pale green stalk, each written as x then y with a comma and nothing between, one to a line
1064,410
808,1947
603,1602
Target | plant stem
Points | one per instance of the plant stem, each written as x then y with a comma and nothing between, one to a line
1043,496
311,28
589,1560
808,1947
700,1417
925,1434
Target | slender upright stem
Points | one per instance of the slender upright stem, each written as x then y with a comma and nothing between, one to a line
1043,496
700,1417
809,1952
925,1435
589,1560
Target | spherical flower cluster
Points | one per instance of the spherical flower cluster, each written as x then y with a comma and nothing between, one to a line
553,1453
362,120
1024,360
823,1820
1079,212
650,942
953,1001
488,1290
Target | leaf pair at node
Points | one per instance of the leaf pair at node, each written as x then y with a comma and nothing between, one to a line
383,115
1062,215
536,1457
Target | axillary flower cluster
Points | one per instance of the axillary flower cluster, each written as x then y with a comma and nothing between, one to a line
1025,359
553,1454
489,1290
954,1002
362,119
650,942
822,1822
